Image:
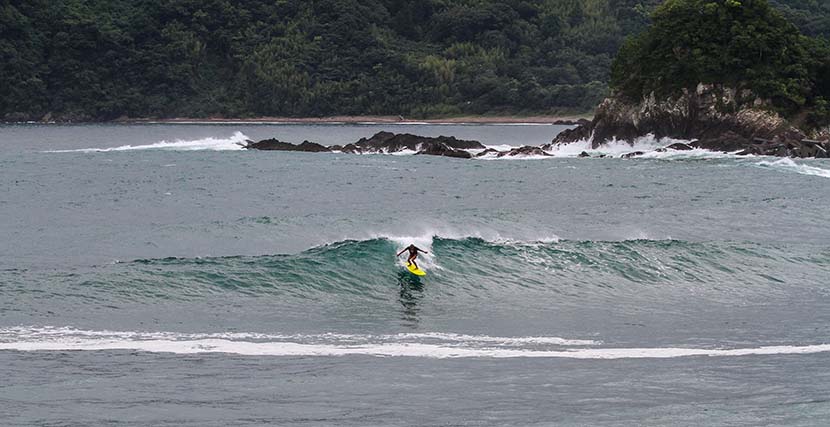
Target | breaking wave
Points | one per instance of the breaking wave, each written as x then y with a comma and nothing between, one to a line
648,147
467,269
424,345
234,143
789,165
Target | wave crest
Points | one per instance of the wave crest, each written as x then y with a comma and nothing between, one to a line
789,165
234,143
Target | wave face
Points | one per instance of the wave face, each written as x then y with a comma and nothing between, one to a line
466,271
363,266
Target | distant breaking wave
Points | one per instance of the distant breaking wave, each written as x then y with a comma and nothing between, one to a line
788,165
426,345
648,145
209,144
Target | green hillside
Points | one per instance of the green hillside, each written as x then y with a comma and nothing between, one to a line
104,59
744,44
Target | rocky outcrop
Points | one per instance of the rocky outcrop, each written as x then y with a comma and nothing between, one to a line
388,142
569,122
630,155
441,149
803,148
277,145
488,152
679,146
526,150
712,116
382,142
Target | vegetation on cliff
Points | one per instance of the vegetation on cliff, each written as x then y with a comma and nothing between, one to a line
739,44
102,59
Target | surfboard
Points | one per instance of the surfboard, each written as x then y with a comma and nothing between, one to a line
416,271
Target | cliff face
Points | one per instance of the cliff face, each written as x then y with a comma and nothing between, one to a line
715,117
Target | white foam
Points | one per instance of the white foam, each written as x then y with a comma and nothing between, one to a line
498,147
613,148
500,340
402,345
787,164
426,239
696,153
425,261
234,143
385,152
494,156
51,333
648,144
392,350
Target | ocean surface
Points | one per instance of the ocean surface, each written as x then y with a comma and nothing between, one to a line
160,275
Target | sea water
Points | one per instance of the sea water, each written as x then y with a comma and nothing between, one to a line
162,275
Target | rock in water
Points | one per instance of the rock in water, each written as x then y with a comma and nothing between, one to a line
274,144
717,117
526,150
630,155
388,142
679,146
440,149
382,142
487,152
312,147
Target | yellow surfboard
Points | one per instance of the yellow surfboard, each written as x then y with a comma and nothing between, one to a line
415,270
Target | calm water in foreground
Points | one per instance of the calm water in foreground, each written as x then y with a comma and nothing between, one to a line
159,275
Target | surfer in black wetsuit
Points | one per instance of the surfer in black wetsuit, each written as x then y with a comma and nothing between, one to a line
413,253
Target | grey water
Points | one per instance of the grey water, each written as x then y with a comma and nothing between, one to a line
158,274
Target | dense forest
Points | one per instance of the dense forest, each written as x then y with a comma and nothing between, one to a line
742,44
105,59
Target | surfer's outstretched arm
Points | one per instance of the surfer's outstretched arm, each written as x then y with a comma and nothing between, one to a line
402,251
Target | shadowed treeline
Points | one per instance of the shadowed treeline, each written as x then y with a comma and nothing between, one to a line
101,60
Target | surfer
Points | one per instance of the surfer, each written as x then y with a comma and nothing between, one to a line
413,253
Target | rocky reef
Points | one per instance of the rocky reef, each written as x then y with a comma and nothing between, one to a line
388,143
712,117
382,142
277,145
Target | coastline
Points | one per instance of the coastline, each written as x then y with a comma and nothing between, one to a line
561,119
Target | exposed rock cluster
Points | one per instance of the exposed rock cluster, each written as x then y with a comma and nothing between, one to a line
713,117
277,145
387,142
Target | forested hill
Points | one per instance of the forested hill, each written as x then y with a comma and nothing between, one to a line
104,59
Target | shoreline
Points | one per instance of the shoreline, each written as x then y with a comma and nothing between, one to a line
563,120
568,120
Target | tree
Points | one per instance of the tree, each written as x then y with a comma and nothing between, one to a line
745,44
